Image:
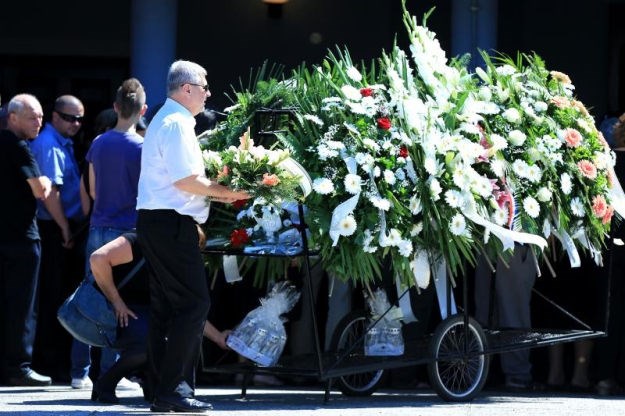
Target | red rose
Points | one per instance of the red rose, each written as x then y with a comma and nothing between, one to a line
403,152
366,92
238,205
238,238
384,123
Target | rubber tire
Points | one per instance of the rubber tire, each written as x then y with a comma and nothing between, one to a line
352,327
461,378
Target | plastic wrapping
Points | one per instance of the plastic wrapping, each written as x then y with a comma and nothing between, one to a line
385,338
261,336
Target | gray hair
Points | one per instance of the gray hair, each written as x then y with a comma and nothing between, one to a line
21,102
184,72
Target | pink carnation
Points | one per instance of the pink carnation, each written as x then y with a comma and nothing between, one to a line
572,137
587,168
599,206
608,215
270,179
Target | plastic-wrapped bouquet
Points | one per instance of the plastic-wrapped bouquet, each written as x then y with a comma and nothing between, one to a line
261,336
385,337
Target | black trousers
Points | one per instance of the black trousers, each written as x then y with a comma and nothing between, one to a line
19,275
179,299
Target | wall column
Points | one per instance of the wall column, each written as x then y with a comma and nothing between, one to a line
473,27
153,33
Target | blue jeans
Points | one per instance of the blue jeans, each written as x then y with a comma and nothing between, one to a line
81,353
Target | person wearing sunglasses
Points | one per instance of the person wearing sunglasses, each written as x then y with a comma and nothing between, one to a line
58,218
171,201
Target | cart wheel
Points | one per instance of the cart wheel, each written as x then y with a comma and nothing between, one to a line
351,328
456,374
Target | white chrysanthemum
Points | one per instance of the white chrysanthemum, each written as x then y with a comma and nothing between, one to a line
602,160
393,238
506,70
482,186
540,106
352,183
389,177
371,144
351,93
534,173
430,165
485,94
435,189
354,74
347,226
458,226
544,194
577,207
566,184
531,207
325,153
314,119
498,166
453,198
366,244
521,168
512,115
517,137
356,107
365,160
377,172
500,216
416,229
461,180
380,203
499,142
323,186
405,248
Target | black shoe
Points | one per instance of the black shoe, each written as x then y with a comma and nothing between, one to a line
521,385
180,404
30,378
103,396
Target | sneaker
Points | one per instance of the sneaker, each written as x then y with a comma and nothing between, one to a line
125,384
82,383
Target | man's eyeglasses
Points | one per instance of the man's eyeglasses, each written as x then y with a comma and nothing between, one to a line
69,117
204,87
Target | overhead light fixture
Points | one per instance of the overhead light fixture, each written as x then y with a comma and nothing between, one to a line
274,8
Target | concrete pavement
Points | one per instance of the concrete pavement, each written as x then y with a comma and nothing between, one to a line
62,400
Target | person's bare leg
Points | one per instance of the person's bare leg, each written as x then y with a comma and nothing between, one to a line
582,361
556,366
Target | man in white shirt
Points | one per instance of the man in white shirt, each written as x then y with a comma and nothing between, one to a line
172,199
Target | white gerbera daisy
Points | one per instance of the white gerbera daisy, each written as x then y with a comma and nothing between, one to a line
416,229
531,207
565,183
534,173
323,186
500,216
380,203
577,207
347,226
405,247
351,93
352,183
458,226
453,198
389,177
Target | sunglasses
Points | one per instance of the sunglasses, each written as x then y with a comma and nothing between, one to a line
69,117
204,87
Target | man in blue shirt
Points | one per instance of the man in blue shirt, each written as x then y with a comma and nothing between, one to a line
57,217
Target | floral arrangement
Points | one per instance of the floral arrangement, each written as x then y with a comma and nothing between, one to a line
263,173
417,163
555,162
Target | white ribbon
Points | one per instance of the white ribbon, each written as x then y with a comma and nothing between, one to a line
231,269
344,208
441,282
294,168
596,254
616,194
569,246
507,237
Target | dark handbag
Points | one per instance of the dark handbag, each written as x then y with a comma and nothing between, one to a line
88,316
